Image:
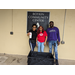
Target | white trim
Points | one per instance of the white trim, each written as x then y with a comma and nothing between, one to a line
37,11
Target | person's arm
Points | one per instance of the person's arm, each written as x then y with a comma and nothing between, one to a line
45,40
36,42
28,33
47,36
58,37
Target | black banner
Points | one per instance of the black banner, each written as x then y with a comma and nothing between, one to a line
38,18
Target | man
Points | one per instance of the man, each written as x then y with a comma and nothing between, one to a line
53,39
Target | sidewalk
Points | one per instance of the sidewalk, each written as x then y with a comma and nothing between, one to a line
8,59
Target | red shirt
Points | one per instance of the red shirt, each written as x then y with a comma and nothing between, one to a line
41,36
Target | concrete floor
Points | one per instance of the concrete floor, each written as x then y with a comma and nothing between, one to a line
13,59
6,59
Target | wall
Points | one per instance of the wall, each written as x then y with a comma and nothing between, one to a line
18,42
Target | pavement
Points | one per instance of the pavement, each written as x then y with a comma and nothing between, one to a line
9,59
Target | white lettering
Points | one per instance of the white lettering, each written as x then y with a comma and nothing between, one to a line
38,13
52,31
39,17
37,20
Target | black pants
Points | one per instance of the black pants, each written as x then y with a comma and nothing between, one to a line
32,45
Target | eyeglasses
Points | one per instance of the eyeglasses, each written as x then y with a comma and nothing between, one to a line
34,27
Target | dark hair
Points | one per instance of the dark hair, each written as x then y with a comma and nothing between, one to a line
51,22
34,25
38,31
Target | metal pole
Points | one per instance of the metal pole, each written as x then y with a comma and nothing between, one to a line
12,24
64,27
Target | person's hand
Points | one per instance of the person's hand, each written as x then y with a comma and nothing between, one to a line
44,43
36,44
47,43
28,33
58,43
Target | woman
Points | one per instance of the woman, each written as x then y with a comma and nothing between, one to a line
41,38
32,40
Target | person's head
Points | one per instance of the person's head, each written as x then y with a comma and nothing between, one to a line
40,29
34,26
51,24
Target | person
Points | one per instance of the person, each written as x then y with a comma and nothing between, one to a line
53,39
32,40
41,38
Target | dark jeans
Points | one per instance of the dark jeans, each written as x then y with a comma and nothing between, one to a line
32,45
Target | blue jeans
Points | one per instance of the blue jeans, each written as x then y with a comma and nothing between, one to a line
55,48
32,45
40,46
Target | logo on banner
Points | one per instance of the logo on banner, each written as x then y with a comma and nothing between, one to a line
37,24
